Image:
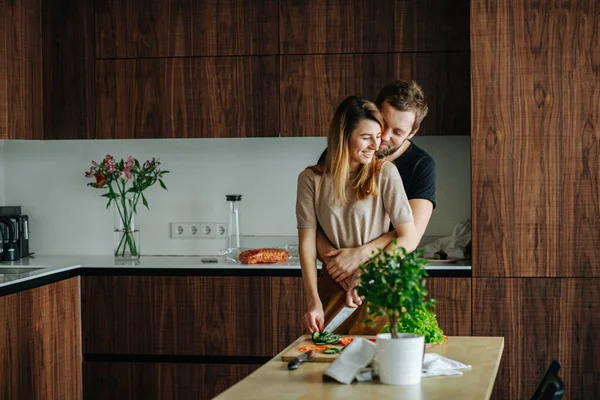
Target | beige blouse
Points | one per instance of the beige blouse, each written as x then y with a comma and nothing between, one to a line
358,221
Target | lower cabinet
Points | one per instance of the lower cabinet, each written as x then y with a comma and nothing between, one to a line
40,343
132,380
541,319
453,307
230,323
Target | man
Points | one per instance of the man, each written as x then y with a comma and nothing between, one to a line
403,107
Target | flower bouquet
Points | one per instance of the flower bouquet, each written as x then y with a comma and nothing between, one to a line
126,181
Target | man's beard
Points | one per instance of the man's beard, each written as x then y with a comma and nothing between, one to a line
384,152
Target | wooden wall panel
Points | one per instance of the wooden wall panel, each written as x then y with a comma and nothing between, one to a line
40,343
221,316
184,28
185,98
541,320
453,309
289,305
364,26
21,69
68,78
124,380
314,85
535,138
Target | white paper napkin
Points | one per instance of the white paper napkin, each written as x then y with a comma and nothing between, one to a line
357,355
436,365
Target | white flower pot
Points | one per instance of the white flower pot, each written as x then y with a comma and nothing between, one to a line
400,360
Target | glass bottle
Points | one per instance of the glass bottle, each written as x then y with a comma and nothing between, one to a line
234,220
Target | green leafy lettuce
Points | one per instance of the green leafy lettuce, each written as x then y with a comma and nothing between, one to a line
423,323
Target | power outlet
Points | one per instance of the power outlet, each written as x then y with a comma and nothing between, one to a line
198,230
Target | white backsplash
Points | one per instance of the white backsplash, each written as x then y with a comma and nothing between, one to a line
66,217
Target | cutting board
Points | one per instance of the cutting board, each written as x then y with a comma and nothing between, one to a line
307,341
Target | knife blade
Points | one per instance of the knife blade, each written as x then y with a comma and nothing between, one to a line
308,356
339,318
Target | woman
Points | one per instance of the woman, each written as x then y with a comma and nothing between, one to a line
352,197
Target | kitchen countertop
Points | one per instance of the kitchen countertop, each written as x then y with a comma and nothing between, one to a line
26,270
274,381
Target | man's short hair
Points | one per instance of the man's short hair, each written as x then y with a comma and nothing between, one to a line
405,96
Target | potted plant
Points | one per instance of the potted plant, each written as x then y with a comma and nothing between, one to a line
393,286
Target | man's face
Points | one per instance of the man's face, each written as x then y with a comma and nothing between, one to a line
397,129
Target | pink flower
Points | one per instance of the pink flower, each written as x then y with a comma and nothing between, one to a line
90,173
110,163
129,163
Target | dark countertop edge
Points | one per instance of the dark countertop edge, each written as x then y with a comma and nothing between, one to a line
35,282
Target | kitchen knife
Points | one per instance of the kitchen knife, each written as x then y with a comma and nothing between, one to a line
339,318
308,356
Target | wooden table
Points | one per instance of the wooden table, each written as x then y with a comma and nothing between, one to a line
274,381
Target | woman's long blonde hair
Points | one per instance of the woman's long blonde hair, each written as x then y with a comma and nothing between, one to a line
348,115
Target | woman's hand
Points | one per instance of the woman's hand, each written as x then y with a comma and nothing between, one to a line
344,262
315,319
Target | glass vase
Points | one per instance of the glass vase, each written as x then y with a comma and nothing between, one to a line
126,234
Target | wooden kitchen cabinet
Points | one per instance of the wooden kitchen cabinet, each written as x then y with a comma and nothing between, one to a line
288,307
40,343
68,69
453,307
21,69
185,28
364,26
541,319
128,380
187,97
177,315
313,86
535,144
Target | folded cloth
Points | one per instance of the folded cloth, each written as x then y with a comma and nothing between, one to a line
436,365
346,370
352,361
455,245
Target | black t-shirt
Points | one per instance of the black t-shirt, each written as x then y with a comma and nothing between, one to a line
417,170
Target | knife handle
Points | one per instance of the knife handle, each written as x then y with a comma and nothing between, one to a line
292,365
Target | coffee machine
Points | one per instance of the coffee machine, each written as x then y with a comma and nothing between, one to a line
14,234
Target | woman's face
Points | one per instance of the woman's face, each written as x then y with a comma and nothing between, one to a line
364,142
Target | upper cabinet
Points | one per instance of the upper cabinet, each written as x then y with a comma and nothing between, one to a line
20,69
185,28
187,97
85,69
312,86
367,26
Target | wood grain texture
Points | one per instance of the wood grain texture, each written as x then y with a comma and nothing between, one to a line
21,69
40,343
535,139
363,26
184,28
541,320
453,308
177,315
313,86
68,78
288,307
186,98
124,380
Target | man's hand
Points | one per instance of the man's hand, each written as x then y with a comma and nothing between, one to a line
344,262
353,299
